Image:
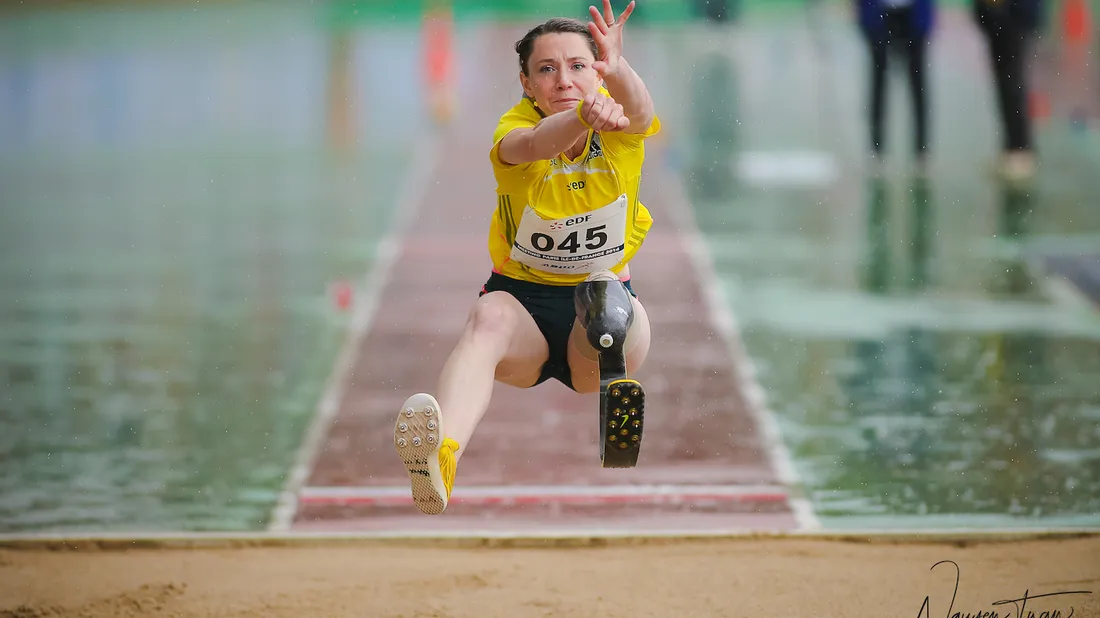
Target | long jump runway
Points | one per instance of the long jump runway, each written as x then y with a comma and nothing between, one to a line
708,462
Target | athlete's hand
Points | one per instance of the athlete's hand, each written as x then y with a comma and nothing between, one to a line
602,113
608,33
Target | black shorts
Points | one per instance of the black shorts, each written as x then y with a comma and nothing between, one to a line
552,308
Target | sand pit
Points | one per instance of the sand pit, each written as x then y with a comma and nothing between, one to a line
733,577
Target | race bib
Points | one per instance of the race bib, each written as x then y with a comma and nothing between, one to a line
578,244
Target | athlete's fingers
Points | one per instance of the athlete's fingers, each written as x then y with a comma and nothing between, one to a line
612,120
618,120
599,102
608,14
606,112
598,20
598,35
586,107
592,114
605,99
626,13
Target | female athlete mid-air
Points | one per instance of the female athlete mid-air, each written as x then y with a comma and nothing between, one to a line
567,159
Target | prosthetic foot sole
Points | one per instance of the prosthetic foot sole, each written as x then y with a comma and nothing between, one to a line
622,412
417,437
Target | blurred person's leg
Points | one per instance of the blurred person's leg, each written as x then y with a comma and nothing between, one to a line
1018,122
916,51
910,45
878,48
1007,55
998,61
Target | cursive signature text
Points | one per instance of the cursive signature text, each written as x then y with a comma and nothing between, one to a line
1019,607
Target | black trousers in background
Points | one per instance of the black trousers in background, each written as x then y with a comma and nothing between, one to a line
901,40
1008,54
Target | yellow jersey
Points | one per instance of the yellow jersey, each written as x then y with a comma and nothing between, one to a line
559,220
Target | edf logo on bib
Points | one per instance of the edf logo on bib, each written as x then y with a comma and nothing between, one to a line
570,222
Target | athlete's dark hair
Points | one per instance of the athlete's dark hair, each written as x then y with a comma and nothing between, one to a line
556,25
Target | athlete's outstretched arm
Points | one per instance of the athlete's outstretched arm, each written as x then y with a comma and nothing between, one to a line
556,133
546,140
623,83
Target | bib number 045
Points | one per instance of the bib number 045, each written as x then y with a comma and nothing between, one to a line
594,238
582,243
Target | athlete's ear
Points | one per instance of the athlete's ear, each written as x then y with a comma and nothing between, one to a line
526,83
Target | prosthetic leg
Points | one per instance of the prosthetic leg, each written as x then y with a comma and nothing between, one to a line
606,313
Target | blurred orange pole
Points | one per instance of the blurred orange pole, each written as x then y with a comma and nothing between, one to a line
438,37
1076,21
341,99
1075,73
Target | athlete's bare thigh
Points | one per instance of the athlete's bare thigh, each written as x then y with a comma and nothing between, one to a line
527,349
582,358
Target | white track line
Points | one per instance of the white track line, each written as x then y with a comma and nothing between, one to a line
423,164
552,494
745,370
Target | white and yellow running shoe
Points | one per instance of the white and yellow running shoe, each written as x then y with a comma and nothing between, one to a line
428,456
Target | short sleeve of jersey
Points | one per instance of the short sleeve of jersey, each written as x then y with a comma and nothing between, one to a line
522,116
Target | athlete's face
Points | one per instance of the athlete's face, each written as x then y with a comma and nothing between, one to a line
559,71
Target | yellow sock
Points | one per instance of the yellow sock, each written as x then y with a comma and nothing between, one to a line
448,463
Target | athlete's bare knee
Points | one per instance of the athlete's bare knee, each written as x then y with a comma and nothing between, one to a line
492,316
639,332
